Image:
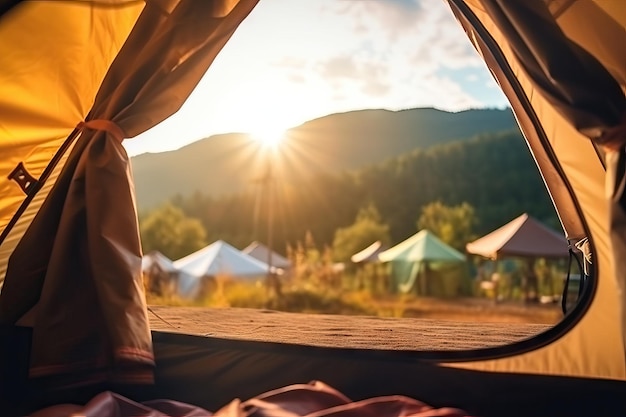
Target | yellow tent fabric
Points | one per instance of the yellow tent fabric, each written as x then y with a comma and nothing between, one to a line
52,69
81,255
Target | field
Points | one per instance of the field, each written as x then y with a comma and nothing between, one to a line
367,322
366,303
479,310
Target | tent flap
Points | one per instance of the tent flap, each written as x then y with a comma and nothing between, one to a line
572,79
75,276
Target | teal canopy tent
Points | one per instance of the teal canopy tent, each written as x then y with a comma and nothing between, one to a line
413,258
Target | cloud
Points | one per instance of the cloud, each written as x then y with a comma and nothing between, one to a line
371,77
393,15
290,62
376,88
339,67
444,93
415,26
312,58
366,47
297,77
414,41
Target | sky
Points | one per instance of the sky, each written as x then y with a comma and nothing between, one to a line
292,61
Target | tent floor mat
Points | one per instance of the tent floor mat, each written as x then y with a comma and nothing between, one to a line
362,332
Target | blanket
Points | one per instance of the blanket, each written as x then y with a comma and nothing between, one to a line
314,399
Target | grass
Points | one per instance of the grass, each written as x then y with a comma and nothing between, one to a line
310,299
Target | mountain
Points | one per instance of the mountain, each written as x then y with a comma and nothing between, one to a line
494,173
231,163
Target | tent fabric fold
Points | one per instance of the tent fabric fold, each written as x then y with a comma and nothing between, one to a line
80,262
572,79
75,276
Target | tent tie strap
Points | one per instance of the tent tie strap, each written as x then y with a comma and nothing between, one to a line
105,125
28,183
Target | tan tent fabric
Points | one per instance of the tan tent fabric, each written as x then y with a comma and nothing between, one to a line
79,267
575,83
588,348
578,86
79,264
523,236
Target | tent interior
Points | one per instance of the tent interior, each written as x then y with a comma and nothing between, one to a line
73,314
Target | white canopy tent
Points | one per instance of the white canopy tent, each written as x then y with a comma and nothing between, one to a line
261,252
164,263
185,284
221,259
368,254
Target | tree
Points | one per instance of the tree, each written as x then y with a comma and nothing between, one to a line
366,229
169,231
452,224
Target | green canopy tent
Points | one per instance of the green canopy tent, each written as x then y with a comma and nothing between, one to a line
413,259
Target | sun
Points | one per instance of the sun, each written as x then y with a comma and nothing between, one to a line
268,135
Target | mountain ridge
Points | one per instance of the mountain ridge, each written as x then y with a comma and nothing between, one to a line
229,162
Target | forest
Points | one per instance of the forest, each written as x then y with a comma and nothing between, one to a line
491,178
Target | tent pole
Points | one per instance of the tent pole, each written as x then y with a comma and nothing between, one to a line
269,217
495,278
272,280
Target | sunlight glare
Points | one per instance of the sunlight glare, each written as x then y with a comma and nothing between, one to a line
269,136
